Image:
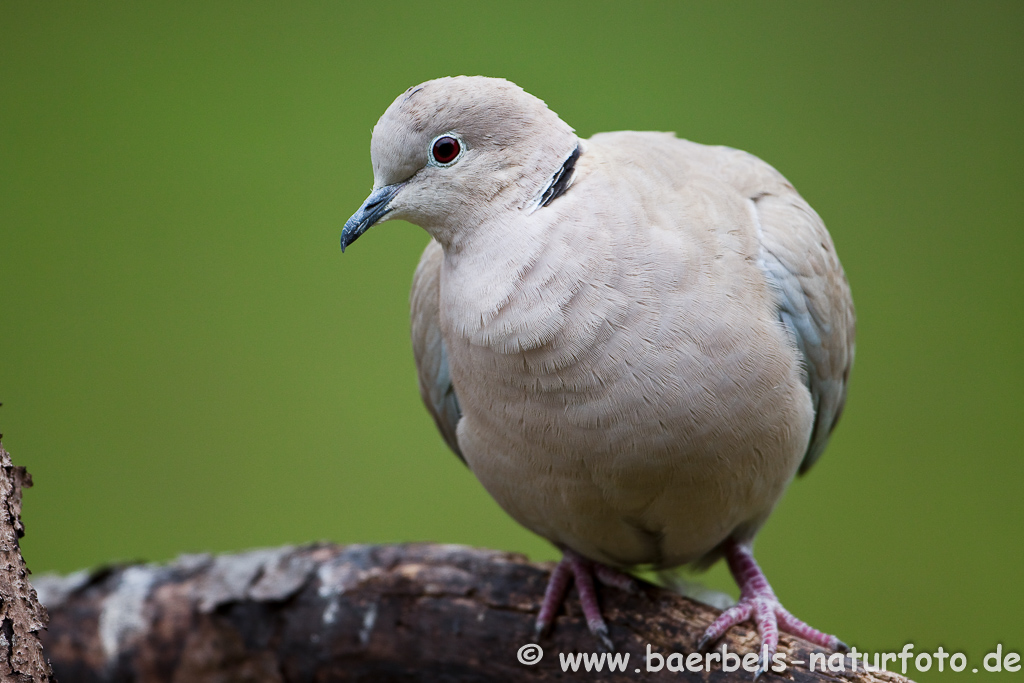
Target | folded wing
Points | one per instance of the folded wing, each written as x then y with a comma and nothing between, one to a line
812,293
429,349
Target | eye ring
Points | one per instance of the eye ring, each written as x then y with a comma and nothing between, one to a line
445,150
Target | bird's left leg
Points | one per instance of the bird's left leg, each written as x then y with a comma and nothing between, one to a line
575,567
758,599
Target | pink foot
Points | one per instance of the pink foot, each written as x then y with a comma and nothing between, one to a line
758,599
578,568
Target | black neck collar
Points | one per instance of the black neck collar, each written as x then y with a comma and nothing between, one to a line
560,181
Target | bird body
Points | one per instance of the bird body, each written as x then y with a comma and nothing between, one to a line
634,341
609,377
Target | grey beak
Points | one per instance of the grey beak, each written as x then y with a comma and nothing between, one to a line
370,213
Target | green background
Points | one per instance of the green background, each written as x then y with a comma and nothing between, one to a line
188,362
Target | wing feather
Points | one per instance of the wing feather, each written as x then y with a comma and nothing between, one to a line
428,347
812,293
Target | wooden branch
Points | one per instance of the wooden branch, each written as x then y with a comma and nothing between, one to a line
21,616
367,613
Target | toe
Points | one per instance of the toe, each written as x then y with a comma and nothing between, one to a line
768,627
558,584
794,626
726,620
614,578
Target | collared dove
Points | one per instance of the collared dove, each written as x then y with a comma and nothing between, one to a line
633,341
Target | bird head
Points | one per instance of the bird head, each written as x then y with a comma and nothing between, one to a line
450,153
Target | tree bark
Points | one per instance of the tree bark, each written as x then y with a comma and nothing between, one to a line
21,615
364,613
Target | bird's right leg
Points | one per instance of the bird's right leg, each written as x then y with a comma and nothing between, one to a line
575,567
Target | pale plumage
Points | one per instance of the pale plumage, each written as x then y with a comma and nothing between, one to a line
633,341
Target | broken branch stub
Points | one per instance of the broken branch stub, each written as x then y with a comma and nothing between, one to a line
21,616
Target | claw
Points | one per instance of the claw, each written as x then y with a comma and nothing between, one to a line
601,631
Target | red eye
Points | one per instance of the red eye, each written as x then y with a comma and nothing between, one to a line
445,149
